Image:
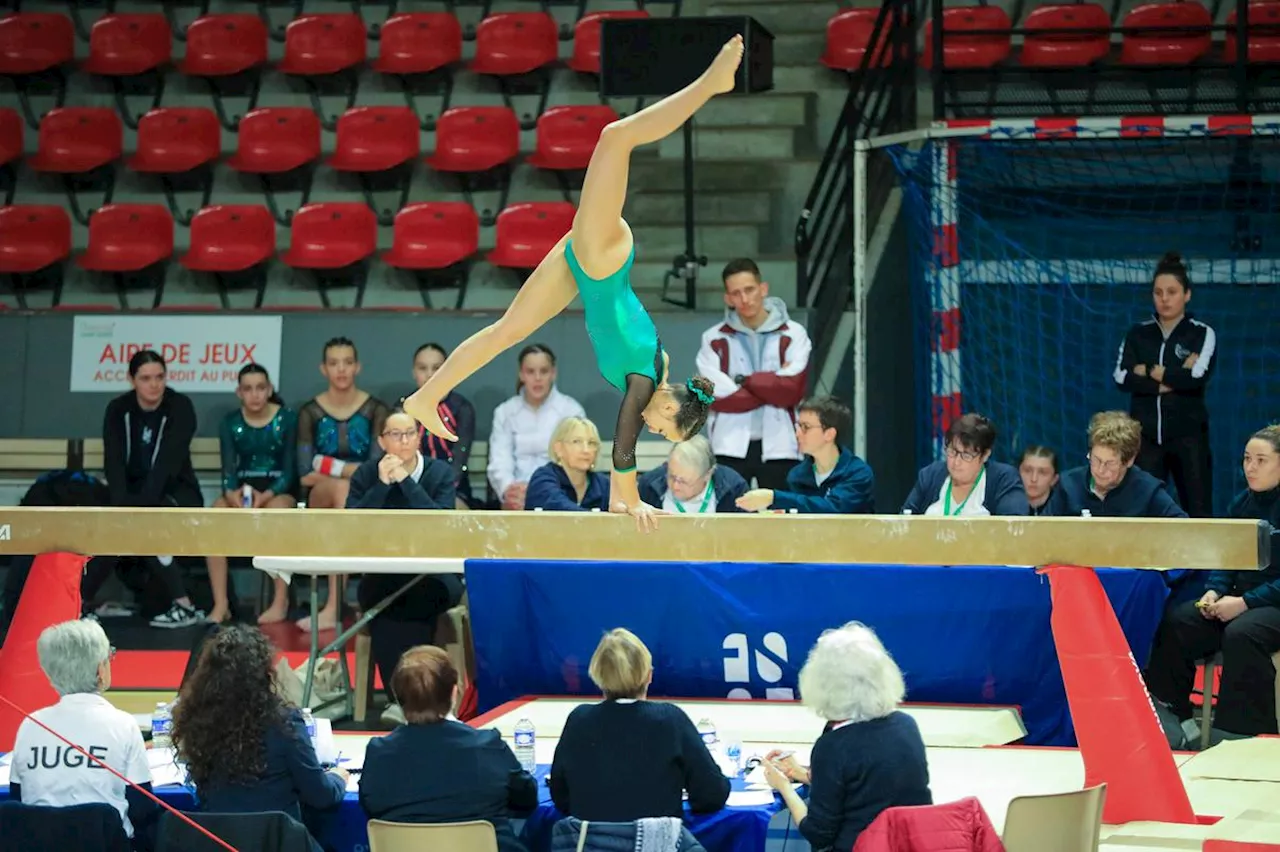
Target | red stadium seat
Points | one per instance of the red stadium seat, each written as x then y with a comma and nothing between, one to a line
375,139
586,39
276,139
434,235
1263,37
32,42
419,43
33,237
849,33
127,238
222,45
331,236
511,43
526,232
74,140
970,51
176,139
323,44
568,134
1162,47
230,238
1066,50
11,136
475,139
126,45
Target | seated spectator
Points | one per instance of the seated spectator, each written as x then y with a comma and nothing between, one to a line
690,482
1238,616
257,443
76,658
458,414
1110,486
336,433
654,751
831,479
569,482
522,426
483,780
403,479
870,756
246,751
146,437
967,483
1038,468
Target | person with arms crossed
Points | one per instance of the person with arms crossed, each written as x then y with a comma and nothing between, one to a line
1164,365
758,360
594,261
831,479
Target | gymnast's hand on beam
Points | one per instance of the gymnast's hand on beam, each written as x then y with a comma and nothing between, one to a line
756,500
646,516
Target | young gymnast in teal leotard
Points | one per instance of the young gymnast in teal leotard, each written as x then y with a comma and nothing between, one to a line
594,260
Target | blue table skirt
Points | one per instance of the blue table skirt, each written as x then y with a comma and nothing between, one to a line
730,830
964,635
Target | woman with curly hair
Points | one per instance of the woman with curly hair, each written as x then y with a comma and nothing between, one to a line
245,750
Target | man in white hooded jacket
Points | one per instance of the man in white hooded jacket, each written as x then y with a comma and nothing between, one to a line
758,359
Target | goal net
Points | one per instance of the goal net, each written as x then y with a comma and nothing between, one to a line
1032,247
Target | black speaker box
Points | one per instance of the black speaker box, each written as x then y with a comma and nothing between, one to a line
654,57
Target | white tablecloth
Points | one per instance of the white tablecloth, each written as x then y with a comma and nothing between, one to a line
285,567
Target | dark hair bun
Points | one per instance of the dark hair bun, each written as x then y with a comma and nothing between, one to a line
702,383
1171,260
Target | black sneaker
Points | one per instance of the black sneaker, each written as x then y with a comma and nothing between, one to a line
178,616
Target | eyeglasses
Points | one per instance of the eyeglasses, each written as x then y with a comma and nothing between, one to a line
963,455
680,481
397,435
805,428
1100,464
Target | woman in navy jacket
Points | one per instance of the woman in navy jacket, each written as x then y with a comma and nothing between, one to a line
690,481
968,483
1239,615
569,483
1111,486
245,750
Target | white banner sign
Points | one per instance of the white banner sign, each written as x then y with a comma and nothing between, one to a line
204,353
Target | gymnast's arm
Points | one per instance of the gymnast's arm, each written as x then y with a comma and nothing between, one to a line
622,483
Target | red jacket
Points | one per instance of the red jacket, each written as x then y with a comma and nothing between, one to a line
960,826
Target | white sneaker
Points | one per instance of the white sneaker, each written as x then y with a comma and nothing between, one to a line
393,715
178,616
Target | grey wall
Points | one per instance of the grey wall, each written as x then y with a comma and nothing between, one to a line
35,365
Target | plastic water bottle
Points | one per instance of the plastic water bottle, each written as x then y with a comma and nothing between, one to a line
707,730
310,721
246,497
161,726
525,741
733,757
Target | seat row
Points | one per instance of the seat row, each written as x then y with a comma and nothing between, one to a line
234,242
1064,35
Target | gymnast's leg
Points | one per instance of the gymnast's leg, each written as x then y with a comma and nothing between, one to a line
601,239
546,293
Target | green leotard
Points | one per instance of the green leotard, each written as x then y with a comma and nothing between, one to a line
628,350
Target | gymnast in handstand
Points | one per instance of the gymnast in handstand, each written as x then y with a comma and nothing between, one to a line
594,260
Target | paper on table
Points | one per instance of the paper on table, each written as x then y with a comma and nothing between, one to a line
164,772
353,784
750,798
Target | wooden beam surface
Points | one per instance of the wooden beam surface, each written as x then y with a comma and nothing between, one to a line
864,539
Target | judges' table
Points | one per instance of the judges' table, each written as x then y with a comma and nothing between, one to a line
962,634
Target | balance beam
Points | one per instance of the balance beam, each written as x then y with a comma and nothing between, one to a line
840,539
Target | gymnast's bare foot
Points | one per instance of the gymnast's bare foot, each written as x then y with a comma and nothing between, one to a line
720,76
274,614
421,407
327,619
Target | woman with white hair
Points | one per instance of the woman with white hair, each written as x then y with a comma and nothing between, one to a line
570,482
76,658
870,756
690,482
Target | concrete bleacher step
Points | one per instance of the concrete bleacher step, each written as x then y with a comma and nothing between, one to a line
647,276
719,208
778,109
807,78
793,16
653,174
743,143
666,241
798,48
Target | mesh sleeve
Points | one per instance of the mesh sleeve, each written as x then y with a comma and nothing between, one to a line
630,421
306,437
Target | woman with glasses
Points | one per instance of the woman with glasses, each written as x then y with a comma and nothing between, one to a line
967,483
569,482
1109,485
403,479
691,483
